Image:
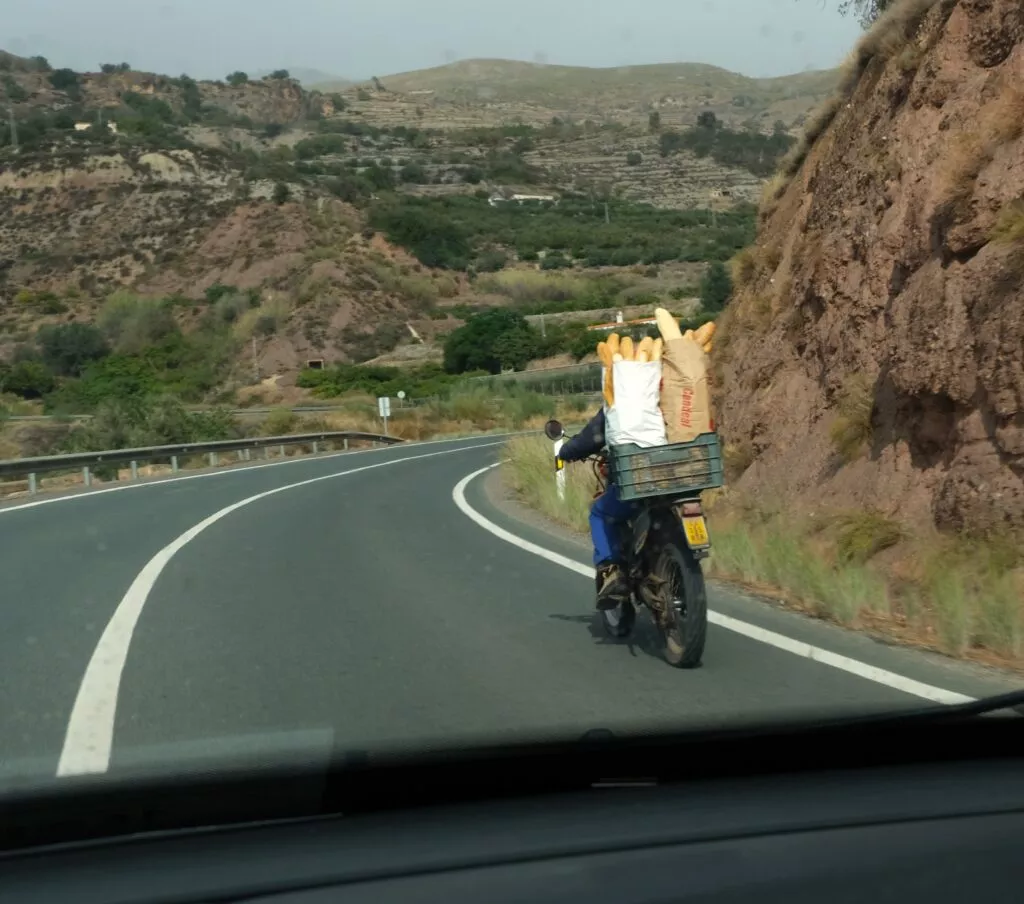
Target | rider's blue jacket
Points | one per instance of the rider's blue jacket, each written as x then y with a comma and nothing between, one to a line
589,441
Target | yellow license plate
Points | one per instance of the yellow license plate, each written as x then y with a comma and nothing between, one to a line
696,531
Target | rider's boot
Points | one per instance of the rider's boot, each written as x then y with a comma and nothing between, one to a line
612,587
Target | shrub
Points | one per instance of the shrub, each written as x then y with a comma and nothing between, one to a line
132,323
851,429
68,347
634,158
27,379
235,79
279,422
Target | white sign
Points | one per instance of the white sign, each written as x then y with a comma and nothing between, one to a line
401,393
384,406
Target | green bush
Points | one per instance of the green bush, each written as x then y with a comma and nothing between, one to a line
68,348
28,379
235,79
132,323
124,423
715,288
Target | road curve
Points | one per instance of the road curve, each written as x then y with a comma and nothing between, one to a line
346,602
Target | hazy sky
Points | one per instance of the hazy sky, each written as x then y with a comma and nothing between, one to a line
209,38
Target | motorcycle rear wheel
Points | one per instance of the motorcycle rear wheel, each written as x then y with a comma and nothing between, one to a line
686,632
618,622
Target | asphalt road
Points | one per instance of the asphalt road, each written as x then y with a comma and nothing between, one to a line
349,610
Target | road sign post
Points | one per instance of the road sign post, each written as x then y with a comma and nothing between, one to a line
384,409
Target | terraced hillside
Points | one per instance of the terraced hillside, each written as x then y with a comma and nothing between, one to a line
491,91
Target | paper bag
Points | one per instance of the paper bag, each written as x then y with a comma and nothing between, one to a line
685,398
635,417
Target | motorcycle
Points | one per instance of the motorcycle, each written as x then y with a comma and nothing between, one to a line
664,541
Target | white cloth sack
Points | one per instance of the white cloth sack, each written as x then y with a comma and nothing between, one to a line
636,415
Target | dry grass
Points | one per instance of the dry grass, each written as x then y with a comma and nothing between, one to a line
744,267
1009,228
529,472
851,429
532,285
738,457
862,535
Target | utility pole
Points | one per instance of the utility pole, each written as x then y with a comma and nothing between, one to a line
255,362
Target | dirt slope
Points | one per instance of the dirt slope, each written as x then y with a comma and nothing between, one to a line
874,356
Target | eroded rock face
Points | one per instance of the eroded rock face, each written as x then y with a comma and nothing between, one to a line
892,259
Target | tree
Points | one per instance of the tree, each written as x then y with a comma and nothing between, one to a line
108,68
707,120
479,344
67,348
515,348
237,78
280,73
654,122
64,80
715,288
281,193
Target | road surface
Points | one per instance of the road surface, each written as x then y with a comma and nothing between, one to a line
352,602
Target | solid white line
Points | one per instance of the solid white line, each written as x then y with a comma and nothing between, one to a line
90,732
772,638
234,469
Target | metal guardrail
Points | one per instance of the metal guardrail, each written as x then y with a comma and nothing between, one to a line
32,467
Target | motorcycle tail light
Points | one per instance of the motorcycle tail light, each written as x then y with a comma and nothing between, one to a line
692,508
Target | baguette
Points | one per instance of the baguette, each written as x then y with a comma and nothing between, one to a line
613,344
707,348
626,348
667,325
645,346
704,334
617,357
604,353
657,349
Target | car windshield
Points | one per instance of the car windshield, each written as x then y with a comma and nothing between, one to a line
428,376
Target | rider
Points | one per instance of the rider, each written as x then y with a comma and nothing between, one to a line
607,513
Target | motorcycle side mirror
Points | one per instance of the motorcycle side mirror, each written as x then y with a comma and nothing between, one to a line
554,430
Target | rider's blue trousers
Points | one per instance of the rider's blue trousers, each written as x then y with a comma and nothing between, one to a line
607,514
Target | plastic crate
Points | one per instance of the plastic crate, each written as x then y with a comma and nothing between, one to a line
676,469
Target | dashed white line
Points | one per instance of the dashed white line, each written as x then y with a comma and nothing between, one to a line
90,733
754,632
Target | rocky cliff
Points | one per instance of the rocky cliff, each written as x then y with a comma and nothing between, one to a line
874,353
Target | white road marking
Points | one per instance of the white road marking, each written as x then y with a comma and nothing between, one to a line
90,732
772,638
233,469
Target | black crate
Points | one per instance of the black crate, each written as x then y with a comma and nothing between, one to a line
679,468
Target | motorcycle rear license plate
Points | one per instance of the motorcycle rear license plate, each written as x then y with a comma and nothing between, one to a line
696,530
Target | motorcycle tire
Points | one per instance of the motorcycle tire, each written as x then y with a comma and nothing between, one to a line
686,634
618,622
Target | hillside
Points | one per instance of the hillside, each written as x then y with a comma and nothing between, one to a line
534,93
872,359
199,237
